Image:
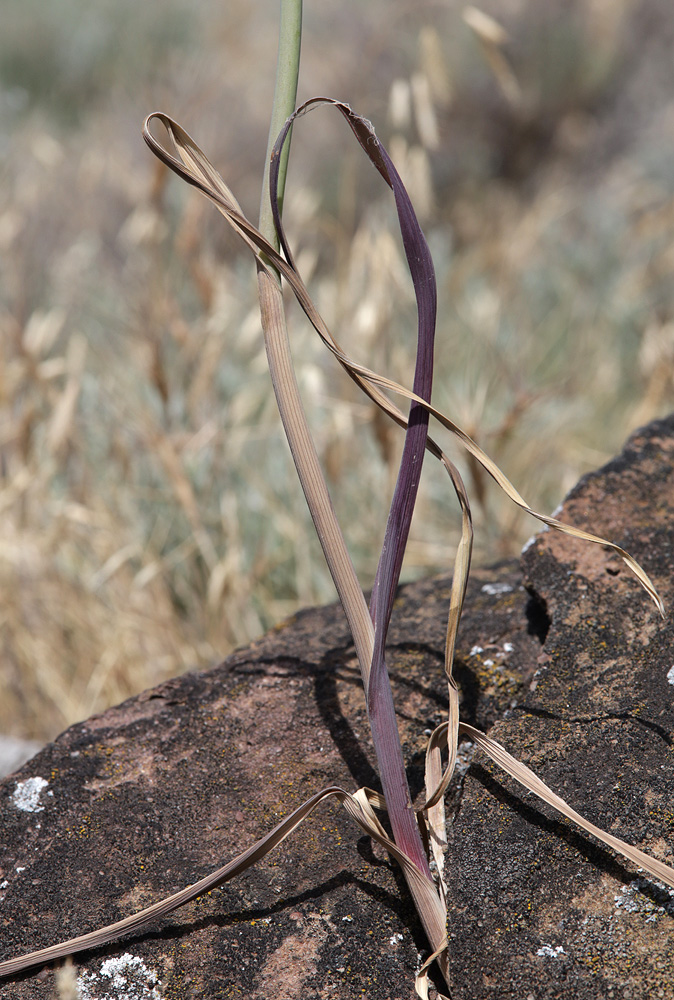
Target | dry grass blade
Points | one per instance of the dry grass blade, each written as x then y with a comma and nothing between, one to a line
359,807
436,781
456,601
309,470
365,377
489,466
381,709
198,171
526,777
372,384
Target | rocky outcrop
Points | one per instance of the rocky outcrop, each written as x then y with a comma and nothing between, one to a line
539,909
564,660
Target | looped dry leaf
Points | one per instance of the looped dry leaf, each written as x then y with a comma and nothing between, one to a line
192,165
372,384
201,179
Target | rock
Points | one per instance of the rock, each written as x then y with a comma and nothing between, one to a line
148,797
571,675
540,909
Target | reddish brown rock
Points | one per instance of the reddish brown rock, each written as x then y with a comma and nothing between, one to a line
153,794
540,909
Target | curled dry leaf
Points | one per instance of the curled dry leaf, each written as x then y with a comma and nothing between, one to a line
369,627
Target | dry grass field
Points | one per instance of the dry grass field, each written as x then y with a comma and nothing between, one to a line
151,520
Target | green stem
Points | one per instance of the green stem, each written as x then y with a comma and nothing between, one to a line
383,722
285,96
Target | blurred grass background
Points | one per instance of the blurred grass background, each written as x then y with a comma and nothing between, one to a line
150,515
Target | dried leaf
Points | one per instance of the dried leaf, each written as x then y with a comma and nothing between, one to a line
358,806
526,777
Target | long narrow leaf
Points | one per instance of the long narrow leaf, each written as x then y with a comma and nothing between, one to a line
368,140
377,386
526,777
379,695
423,278
358,806
389,752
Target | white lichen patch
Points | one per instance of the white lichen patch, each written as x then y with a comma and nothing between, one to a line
125,977
670,675
547,951
496,588
26,795
660,899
